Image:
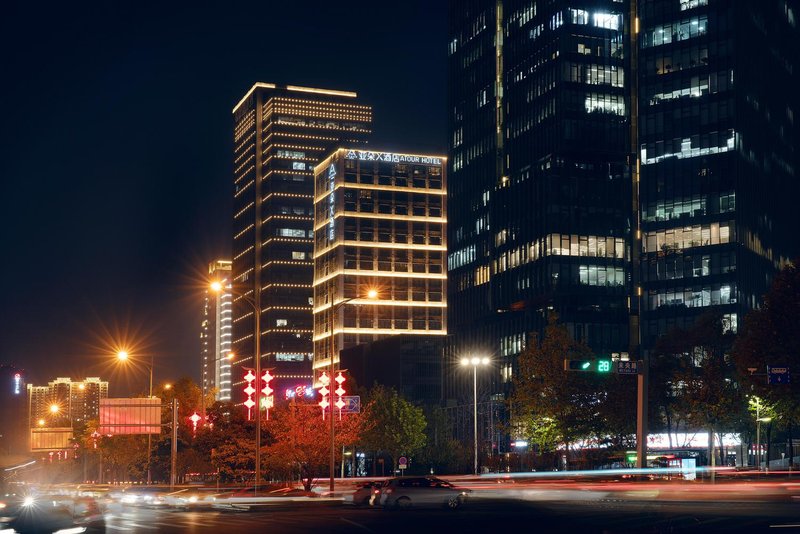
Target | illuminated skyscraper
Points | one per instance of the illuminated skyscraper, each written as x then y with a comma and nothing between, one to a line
380,226
540,213
216,333
280,134
718,86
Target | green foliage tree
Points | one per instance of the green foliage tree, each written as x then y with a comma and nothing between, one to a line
551,406
442,453
769,336
395,426
698,376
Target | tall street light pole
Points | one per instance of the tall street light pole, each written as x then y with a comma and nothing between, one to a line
123,356
218,287
475,362
371,294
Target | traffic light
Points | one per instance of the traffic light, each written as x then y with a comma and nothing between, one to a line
592,366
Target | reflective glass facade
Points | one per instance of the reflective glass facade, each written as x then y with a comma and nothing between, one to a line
717,141
540,201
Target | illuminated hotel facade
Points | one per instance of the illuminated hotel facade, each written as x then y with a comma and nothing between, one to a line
380,225
215,336
280,134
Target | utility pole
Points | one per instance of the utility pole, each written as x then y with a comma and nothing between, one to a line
173,460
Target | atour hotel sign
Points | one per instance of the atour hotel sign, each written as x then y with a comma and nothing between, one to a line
390,157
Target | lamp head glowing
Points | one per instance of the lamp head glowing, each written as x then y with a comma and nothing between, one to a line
475,361
372,294
464,361
54,408
484,361
122,355
216,286
231,355
167,386
41,422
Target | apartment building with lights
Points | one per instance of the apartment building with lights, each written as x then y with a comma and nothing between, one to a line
280,133
380,225
78,401
215,334
540,201
718,148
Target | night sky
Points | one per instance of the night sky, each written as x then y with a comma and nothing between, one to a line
115,156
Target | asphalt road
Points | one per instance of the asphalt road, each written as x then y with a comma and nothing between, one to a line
480,515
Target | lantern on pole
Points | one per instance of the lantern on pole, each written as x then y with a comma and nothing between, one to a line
267,391
340,379
194,418
249,390
325,380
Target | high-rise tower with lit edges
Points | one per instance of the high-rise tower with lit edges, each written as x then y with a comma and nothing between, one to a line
280,134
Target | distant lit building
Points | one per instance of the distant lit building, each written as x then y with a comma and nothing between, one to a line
380,224
280,133
216,333
77,401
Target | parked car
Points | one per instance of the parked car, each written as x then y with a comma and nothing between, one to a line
405,492
367,494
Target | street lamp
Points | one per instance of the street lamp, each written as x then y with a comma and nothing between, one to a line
475,362
54,409
372,294
218,287
123,357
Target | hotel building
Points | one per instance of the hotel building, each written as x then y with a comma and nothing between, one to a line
215,336
280,134
380,225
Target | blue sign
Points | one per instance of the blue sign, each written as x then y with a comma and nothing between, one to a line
778,375
352,404
627,368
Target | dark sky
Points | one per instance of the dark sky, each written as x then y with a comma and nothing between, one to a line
115,155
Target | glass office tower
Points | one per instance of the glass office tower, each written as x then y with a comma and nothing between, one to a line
540,201
280,134
718,147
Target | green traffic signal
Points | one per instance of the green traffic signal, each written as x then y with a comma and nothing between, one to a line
598,366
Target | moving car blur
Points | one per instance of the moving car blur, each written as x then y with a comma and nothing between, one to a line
367,494
407,492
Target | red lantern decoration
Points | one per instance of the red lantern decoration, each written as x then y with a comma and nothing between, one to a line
340,379
249,390
325,380
267,391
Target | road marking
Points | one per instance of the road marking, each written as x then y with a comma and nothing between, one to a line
785,526
136,525
359,525
114,527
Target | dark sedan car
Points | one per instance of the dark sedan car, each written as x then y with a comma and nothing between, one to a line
407,492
